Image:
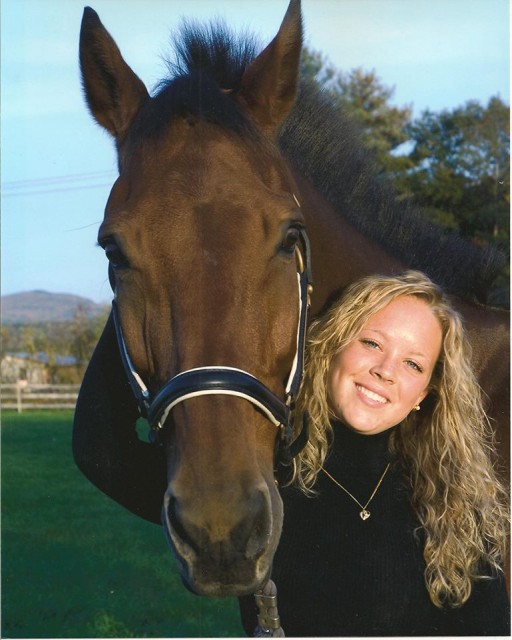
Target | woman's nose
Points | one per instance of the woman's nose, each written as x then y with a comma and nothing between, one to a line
384,369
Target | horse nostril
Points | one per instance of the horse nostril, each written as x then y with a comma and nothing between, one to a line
251,534
193,541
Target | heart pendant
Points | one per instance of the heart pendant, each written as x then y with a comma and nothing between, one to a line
364,514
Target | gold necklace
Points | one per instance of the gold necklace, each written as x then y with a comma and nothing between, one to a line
364,513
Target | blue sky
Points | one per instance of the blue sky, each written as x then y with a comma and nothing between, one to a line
57,165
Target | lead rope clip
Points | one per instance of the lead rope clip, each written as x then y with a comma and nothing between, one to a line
269,625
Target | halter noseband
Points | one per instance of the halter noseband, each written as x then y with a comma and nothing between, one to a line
213,380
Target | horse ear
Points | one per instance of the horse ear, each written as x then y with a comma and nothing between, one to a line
269,83
113,92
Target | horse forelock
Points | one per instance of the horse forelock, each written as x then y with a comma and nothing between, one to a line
205,71
212,48
325,145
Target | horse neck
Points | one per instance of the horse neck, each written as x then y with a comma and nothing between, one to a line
340,253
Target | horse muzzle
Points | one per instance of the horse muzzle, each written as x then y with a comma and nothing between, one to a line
224,550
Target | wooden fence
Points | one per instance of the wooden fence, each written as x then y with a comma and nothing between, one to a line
22,396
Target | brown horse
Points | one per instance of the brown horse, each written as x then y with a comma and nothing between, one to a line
203,231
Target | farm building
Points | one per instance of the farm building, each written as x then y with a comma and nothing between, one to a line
35,368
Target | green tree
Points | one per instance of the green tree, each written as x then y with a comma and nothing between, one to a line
84,334
29,339
362,94
461,165
7,340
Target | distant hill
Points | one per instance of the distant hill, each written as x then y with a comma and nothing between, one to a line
31,307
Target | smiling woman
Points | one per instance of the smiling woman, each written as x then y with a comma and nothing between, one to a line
378,378
398,436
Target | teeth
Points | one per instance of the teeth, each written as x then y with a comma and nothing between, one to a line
371,394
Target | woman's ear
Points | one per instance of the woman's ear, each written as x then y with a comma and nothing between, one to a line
422,396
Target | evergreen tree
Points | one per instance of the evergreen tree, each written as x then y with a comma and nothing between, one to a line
461,165
363,95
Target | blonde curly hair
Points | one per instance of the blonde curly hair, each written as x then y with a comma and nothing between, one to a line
446,450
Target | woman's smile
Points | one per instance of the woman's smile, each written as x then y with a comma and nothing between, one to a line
371,396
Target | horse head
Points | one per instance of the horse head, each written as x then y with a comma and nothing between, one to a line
202,232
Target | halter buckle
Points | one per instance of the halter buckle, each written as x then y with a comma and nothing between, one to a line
268,618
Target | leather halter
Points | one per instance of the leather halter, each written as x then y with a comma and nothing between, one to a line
212,380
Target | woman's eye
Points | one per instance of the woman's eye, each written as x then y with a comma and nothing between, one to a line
414,365
369,343
290,240
115,256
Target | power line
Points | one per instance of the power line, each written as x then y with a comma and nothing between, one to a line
57,184
57,190
14,184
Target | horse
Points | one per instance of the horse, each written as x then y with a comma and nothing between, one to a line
232,176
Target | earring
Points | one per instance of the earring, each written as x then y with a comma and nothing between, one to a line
417,407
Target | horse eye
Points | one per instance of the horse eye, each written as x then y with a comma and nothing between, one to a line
115,256
290,240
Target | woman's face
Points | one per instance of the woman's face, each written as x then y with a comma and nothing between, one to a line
379,377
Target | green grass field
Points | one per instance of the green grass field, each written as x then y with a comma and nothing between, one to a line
76,564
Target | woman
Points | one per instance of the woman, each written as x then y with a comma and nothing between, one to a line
395,521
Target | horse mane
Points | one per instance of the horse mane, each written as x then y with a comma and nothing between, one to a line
325,145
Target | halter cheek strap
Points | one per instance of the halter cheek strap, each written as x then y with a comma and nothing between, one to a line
139,389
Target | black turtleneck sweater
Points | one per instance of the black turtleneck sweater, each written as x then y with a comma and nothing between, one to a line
338,575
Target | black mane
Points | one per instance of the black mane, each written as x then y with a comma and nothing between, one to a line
324,145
